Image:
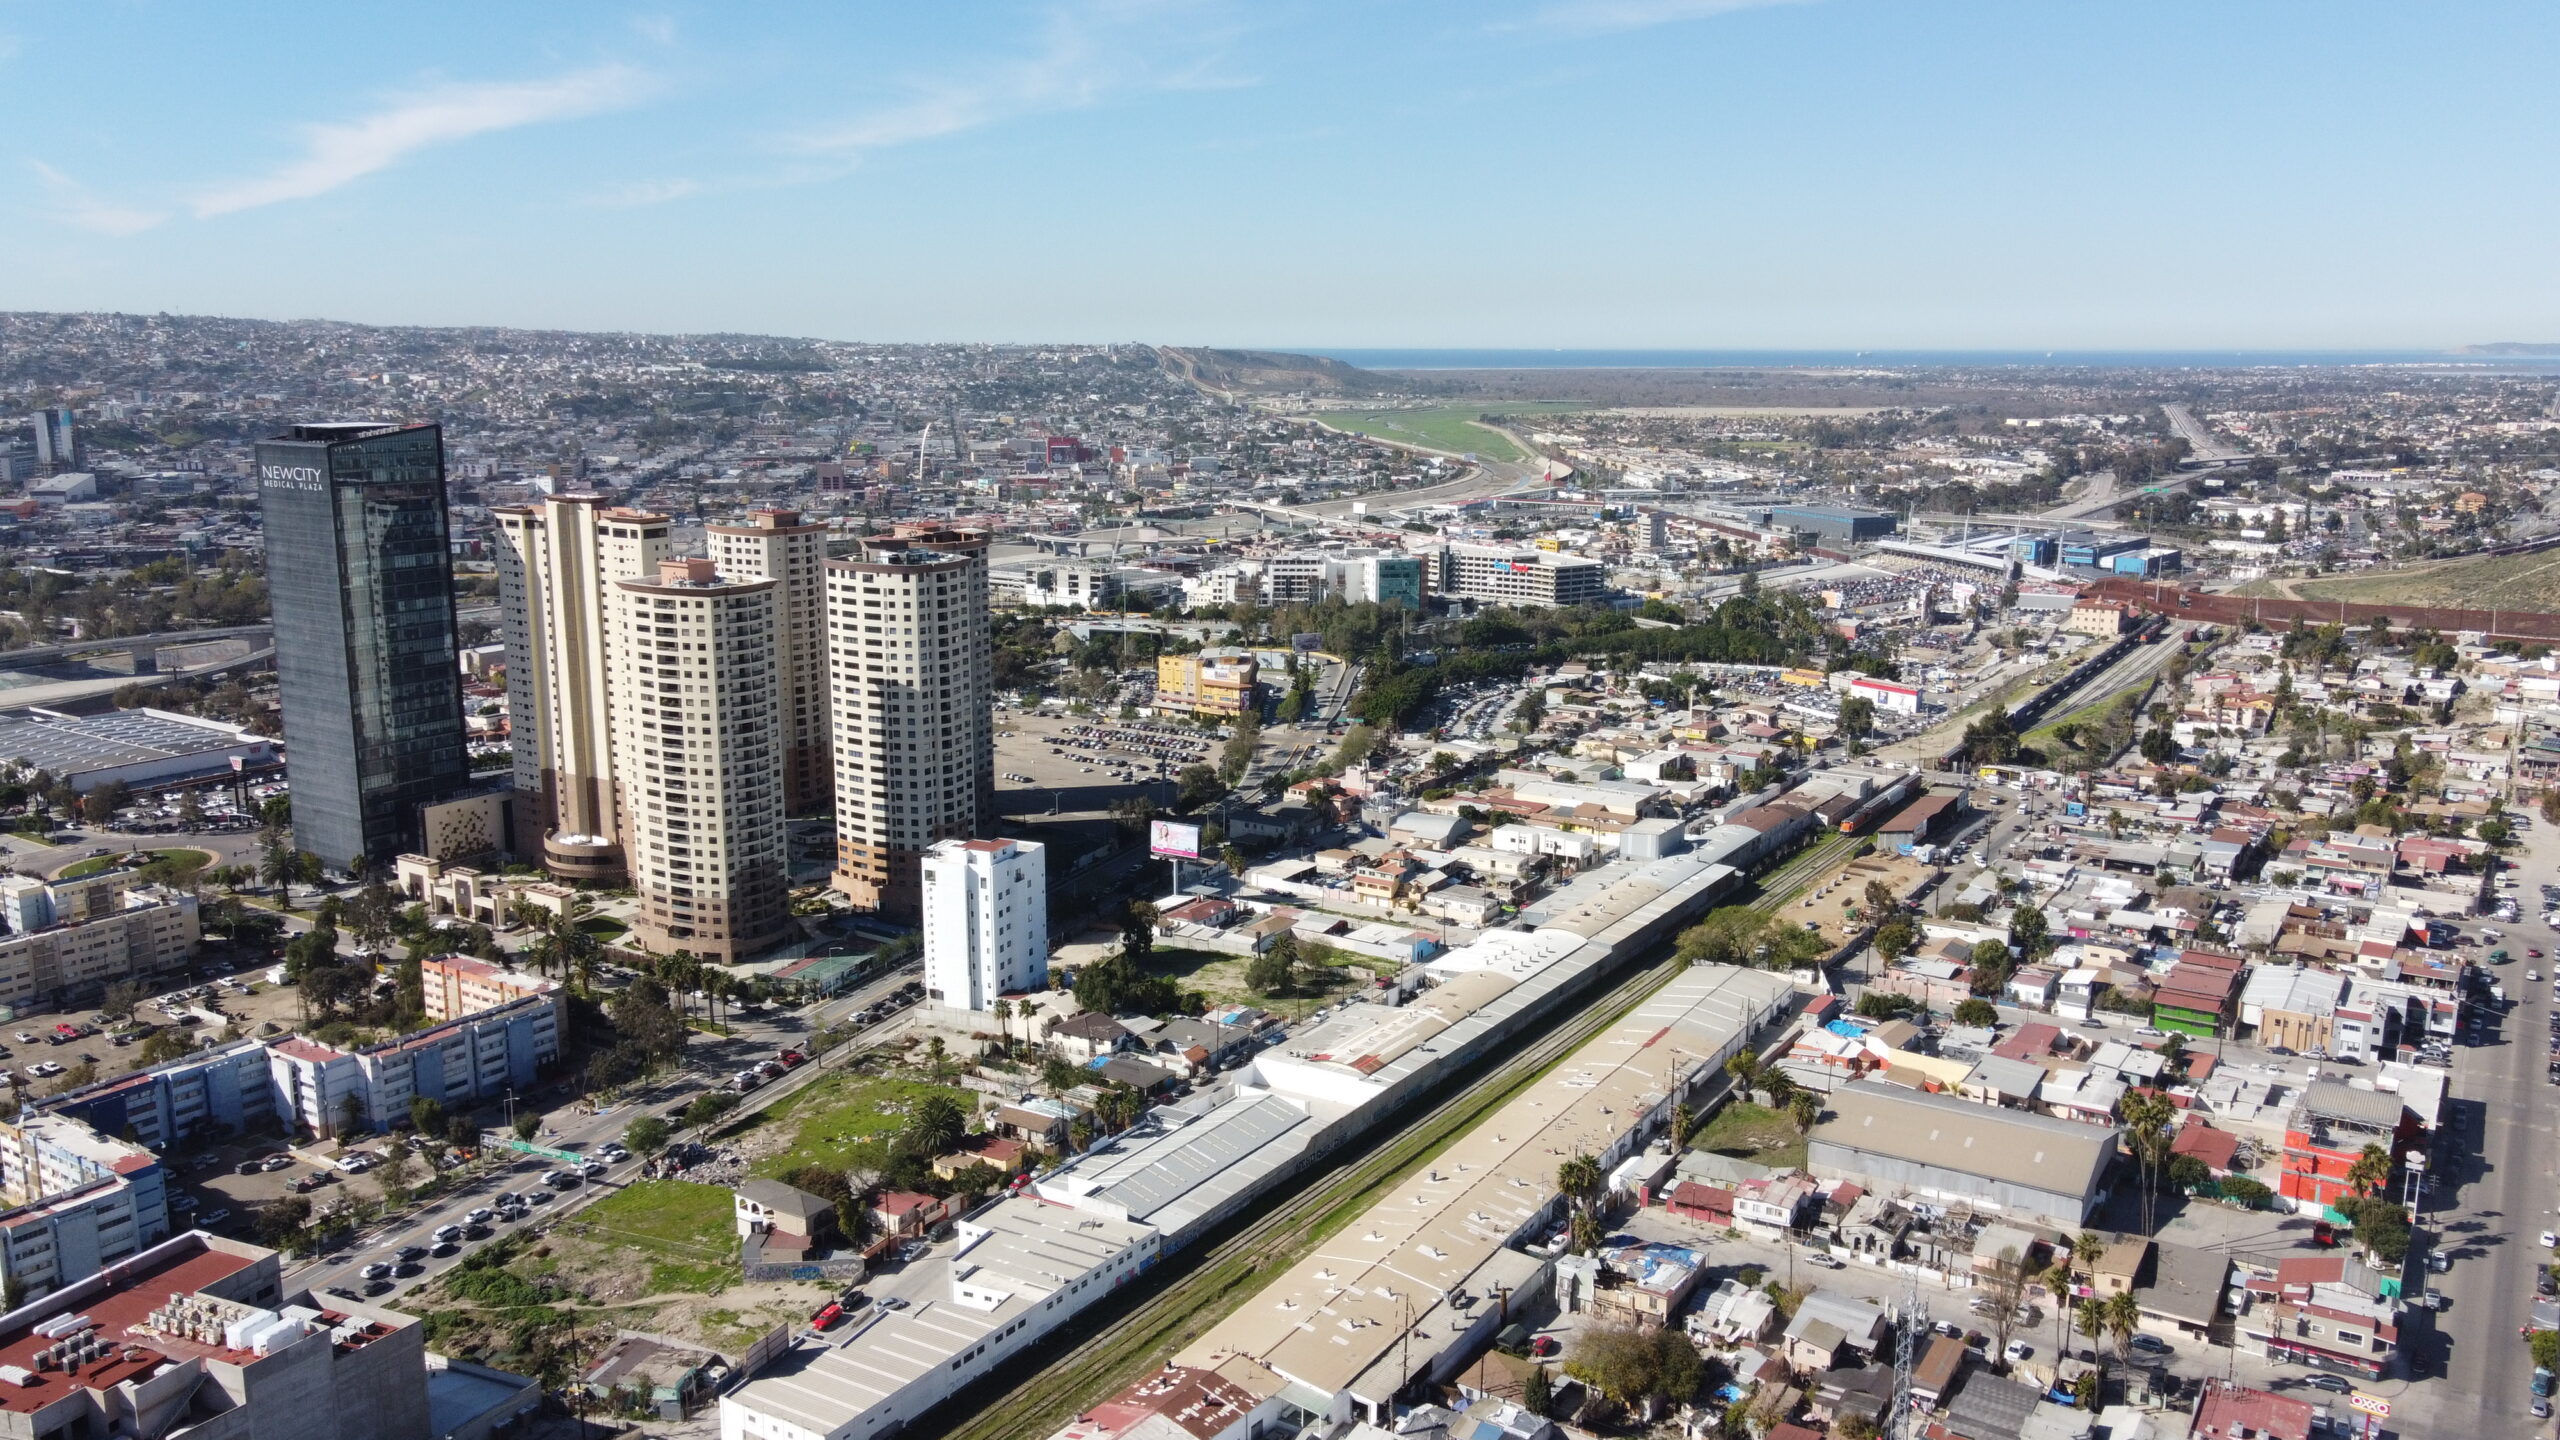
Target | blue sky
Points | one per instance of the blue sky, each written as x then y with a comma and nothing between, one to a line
1892,173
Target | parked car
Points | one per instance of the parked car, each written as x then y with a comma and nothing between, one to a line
2018,1350
2335,1385
214,1216
828,1317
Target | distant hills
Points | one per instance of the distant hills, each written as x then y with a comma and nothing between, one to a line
2508,347
1276,372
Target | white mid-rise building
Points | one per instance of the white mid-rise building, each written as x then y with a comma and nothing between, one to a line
908,676
986,921
697,741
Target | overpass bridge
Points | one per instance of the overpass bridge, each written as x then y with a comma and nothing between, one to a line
145,649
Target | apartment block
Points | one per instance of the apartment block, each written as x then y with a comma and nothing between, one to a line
778,545
908,661
556,562
986,921
197,1336
78,1202
69,939
1213,682
1495,575
215,1093
457,985
327,1091
698,736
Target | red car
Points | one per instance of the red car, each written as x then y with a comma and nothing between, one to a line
1544,1346
2324,1235
792,1059
829,1317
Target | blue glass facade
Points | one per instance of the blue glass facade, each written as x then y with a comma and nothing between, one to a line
360,576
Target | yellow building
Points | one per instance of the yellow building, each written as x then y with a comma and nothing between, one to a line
1213,682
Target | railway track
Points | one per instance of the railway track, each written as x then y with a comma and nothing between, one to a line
1110,1346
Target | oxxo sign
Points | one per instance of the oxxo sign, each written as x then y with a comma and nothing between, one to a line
291,477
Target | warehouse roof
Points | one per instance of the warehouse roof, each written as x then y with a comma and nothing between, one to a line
2008,1145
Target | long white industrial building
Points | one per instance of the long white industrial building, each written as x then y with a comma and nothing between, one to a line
1026,1263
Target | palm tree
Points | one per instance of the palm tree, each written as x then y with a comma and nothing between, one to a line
2090,1319
2057,1281
2371,1170
1578,1177
2124,1318
1004,1018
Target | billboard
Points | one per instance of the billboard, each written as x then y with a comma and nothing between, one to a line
1174,839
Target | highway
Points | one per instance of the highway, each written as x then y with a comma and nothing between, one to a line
2201,446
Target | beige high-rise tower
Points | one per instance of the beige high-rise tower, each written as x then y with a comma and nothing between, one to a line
697,741
776,545
555,561
908,667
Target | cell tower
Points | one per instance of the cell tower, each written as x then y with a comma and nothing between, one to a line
1909,1326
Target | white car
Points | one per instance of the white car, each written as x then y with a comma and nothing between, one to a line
2549,1240
2018,1350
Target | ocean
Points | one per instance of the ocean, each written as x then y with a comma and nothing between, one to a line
1859,359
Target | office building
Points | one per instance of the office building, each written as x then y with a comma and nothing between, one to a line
78,1202
198,1336
697,737
360,579
1500,575
555,561
57,441
68,940
1363,577
326,1092
1214,682
457,985
777,545
986,921
914,736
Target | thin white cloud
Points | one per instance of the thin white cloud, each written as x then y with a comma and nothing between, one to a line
71,203
643,192
339,153
11,46
1091,53
1595,17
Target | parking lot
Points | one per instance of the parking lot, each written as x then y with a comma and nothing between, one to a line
1079,766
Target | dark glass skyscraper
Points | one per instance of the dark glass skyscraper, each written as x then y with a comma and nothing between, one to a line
360,576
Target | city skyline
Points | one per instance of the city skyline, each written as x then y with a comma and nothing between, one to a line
1603,173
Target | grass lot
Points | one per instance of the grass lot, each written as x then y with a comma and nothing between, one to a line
1754,1133
604,927
1221,977
2508,582
1448,427
691,1222
163,867
844,1119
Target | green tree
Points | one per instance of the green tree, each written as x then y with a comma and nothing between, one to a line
1271,973
2027,932
426,1114
1981,1013
1537,1393
528,1124
647,1135
2545,1348
1896,938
